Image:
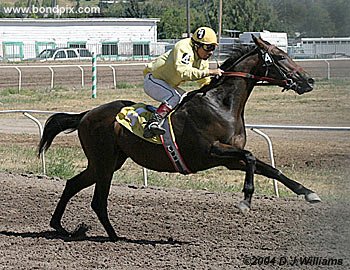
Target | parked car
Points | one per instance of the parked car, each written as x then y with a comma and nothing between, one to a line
64,54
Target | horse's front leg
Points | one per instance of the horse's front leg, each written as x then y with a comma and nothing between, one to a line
237,159
248,187
268,171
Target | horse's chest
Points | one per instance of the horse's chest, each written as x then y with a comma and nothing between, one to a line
238,140
236,134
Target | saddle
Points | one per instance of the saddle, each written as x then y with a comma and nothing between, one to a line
135,117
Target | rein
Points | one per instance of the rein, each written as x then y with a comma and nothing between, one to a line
254,77
286,83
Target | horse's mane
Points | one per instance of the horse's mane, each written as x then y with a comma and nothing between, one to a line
236,52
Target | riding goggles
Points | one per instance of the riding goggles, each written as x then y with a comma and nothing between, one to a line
208,47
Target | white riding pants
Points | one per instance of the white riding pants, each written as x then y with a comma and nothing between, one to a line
161,91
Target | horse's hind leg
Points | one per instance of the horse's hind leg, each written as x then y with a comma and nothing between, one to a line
100,199
268,171
73,186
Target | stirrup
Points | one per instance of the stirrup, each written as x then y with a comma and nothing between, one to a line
153,129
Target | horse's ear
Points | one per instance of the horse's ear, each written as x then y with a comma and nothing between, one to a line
258,42
254,38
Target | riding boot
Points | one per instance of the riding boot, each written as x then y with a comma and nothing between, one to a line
153,126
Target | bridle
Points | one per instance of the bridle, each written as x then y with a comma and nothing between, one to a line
287,83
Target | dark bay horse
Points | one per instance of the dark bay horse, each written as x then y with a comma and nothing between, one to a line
208,124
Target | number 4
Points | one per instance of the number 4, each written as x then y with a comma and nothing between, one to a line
186,58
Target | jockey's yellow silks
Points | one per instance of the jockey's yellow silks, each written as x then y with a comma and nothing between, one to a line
180,65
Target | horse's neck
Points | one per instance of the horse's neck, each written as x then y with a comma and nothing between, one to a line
232,96
234,92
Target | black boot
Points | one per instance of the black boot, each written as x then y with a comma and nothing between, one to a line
153,127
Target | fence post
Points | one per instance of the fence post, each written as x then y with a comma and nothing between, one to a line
19,79
272,159
52,76
94,76
114,77
41,131
328,70
82,76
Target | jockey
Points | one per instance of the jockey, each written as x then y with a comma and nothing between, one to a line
187,61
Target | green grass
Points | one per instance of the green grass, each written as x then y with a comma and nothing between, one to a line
65,162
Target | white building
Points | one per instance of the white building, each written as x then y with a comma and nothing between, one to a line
326,47
107,37
275,38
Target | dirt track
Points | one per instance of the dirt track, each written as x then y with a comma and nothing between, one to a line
169,229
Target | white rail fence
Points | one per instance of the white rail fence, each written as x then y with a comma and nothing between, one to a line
323,68
254,128
80,68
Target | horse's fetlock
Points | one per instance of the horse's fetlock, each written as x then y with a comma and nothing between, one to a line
248,189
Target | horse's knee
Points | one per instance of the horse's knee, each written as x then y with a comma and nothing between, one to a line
250,158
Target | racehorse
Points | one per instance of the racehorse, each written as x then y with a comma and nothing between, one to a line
208,124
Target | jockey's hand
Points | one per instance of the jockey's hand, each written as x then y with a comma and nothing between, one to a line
215,72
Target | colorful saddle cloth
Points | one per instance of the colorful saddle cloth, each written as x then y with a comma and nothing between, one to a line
135,117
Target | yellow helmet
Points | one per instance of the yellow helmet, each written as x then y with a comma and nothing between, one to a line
205,35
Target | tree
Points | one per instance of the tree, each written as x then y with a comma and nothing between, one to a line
339,11
249,15
318,22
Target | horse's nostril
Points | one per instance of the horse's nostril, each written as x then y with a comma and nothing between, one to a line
310,81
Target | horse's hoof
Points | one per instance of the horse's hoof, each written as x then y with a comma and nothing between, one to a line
312,198
244,207
59,229
116,238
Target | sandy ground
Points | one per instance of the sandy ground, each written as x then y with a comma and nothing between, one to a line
169,229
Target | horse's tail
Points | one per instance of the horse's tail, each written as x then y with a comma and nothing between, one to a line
57,123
